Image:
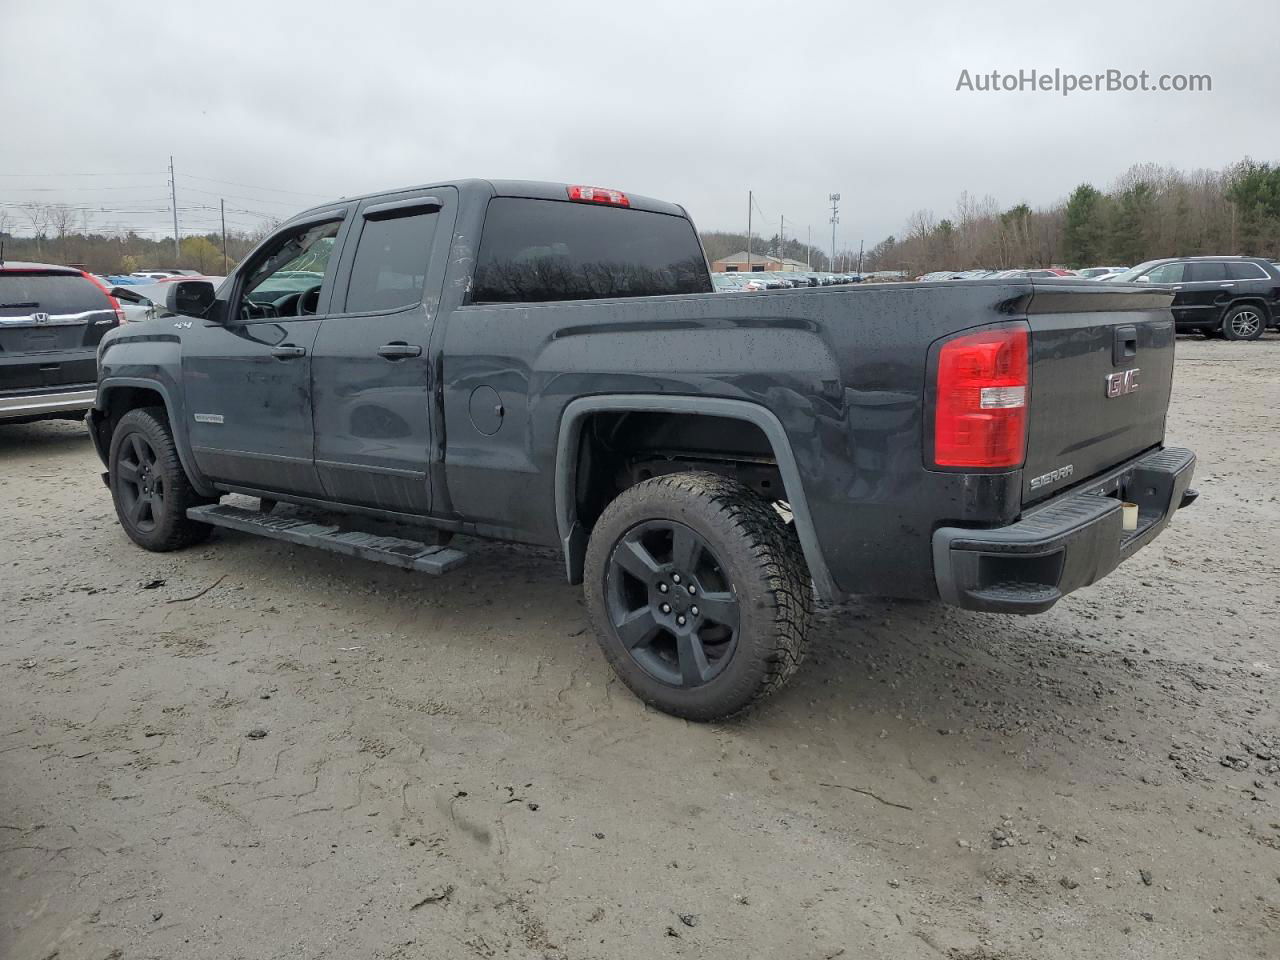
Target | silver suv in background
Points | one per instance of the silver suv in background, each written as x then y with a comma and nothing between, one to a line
51,320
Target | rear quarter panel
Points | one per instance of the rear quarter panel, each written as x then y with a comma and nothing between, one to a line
842,369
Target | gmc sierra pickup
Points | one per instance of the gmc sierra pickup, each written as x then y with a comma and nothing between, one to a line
549,364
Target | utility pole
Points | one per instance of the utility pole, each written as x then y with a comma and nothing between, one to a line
173,199
782,226
222,206
835,218
859,271
808,249
750,203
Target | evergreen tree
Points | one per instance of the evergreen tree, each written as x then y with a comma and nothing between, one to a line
1084,228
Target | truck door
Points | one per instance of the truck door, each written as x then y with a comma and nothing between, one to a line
247,377
373,372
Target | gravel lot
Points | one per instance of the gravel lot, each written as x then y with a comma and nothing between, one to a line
320,757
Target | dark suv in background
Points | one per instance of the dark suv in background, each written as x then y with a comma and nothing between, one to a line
51,320
1232,297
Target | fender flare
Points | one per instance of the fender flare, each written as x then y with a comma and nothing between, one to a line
573,537
105,387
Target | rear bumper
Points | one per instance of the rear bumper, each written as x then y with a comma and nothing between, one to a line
46,403
1067,543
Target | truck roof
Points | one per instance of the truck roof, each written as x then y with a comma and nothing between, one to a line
532,189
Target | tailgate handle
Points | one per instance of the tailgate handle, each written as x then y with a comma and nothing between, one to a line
1126,345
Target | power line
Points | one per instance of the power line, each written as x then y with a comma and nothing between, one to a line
63,189
149,173
250,186
212,193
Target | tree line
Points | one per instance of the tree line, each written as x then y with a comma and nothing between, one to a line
56,233
1149,212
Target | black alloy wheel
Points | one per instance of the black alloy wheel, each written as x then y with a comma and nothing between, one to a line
671,604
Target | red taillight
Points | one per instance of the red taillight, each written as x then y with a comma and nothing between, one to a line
599,195
115,304
981,408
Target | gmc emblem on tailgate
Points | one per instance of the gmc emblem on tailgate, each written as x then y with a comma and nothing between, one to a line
1118,384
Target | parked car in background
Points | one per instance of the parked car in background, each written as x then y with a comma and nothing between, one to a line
1232,297
1097,273
146,300
160,274
1048,273
51,320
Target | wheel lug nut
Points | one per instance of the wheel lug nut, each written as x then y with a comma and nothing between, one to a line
666,608
662,588
692,589
680,620
694,611
675,578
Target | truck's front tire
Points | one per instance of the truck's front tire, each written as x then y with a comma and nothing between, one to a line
699,594
150,489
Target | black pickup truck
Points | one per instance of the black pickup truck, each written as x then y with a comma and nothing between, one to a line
549,364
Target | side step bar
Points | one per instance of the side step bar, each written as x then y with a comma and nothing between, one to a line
407,554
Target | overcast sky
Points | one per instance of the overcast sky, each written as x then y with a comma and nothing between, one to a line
690,101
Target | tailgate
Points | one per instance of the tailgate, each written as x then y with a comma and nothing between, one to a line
1101,374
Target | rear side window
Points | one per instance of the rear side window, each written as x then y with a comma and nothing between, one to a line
56,294
534,251
390,267
1200,271
1245,271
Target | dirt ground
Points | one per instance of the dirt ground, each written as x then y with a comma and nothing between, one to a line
322,757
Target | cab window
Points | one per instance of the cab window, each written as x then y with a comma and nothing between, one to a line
286,281
390,267
533,251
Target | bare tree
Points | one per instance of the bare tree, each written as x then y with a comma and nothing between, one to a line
61,219
38,214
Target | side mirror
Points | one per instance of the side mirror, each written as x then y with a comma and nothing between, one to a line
189,298
1142,279
129,295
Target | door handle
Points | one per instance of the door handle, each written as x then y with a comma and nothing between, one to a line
1226,284
399,350
288,351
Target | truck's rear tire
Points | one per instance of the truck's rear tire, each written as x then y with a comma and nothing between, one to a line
1244,322
150,489
699,594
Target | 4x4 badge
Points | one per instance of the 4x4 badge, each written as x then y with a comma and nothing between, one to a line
1122,382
